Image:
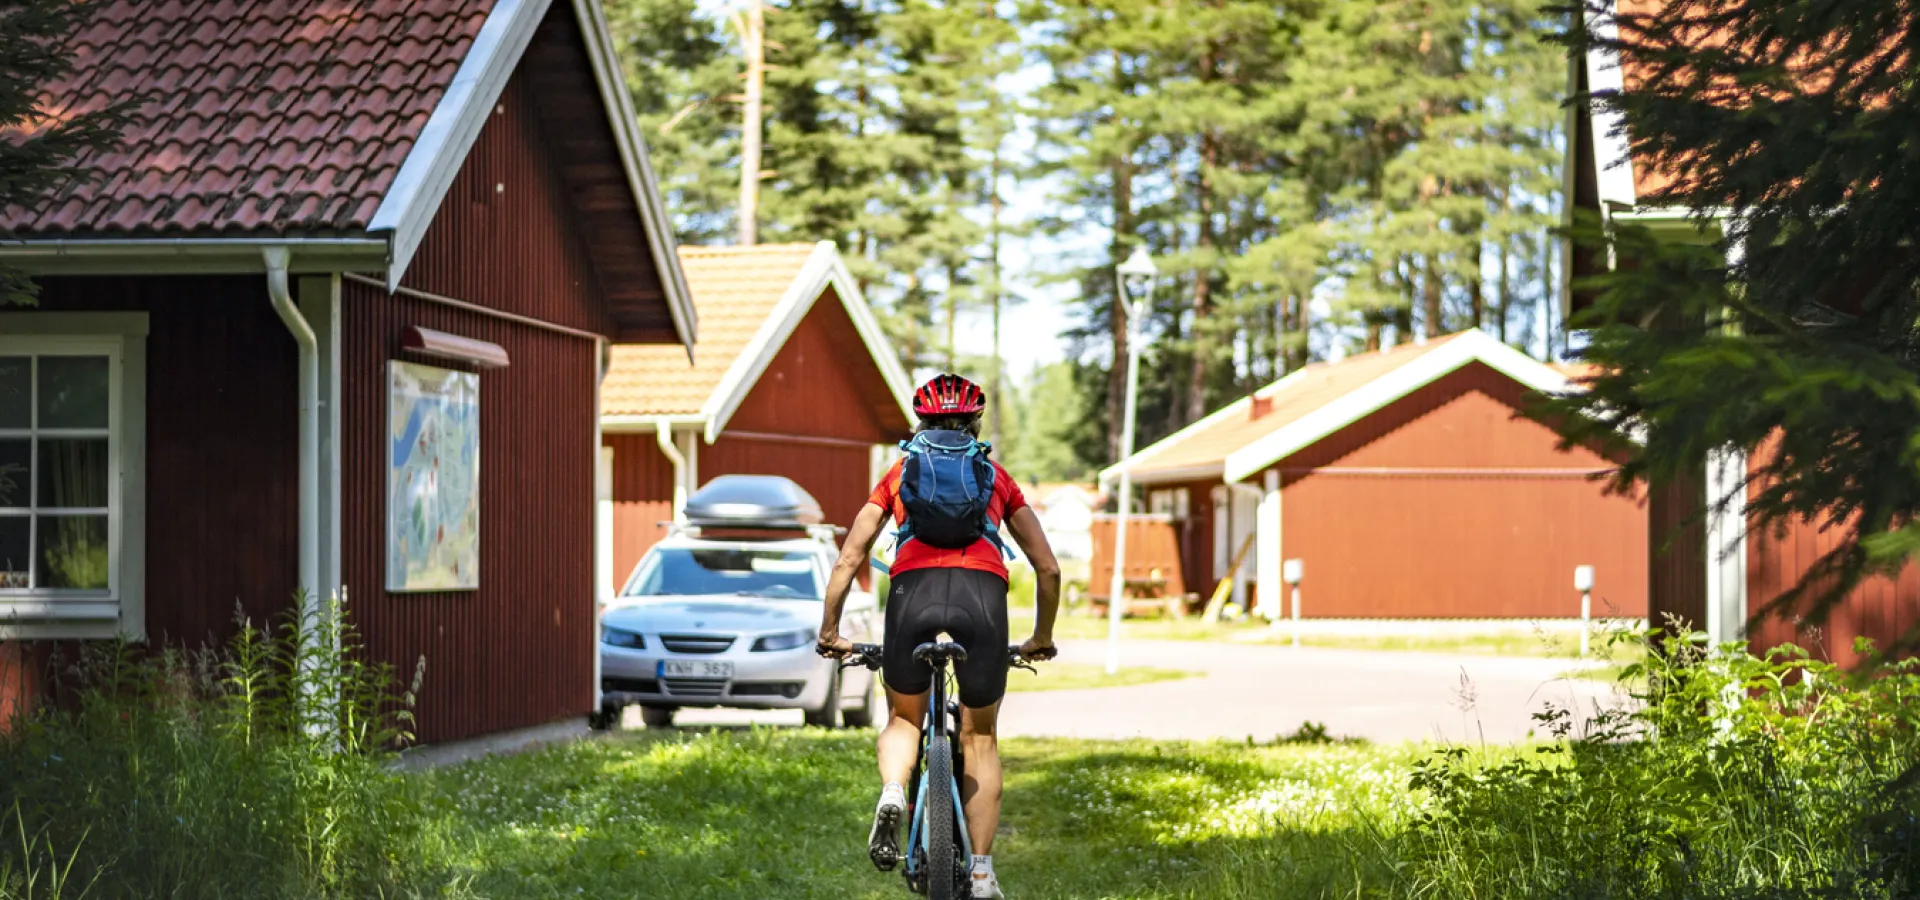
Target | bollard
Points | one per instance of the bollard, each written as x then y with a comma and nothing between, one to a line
1291,572
1583,582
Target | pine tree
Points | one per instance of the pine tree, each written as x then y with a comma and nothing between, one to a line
1792,125
683,71
36,147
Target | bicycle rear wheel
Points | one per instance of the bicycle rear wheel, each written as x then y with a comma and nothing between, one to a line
946,871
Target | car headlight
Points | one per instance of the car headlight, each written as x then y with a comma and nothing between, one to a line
619,637
784,641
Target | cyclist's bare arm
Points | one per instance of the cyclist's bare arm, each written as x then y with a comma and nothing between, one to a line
853,554
1046,575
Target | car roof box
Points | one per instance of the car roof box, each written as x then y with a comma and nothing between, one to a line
753,502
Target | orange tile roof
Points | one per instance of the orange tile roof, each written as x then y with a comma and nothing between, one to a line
263,117
734,290
1208,442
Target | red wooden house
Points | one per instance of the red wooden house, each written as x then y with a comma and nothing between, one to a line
1408,484
334,321
1709,570
792,376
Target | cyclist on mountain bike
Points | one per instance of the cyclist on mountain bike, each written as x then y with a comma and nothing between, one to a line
961,591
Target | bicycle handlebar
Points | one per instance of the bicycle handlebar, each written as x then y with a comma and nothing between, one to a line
868,655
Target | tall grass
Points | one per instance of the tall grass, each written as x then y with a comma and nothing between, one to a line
257,770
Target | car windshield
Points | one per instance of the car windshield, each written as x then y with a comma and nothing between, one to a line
774,574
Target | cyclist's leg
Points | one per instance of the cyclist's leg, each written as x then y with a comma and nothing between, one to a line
980,789
977,619
899,744
913,606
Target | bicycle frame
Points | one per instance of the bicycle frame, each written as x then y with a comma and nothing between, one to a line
935,727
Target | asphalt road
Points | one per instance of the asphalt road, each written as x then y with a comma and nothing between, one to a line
1263,692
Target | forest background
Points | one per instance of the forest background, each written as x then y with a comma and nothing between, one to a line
1313,178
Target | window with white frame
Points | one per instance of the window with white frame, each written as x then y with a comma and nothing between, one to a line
63,495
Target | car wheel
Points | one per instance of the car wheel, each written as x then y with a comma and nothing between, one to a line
871,711
657,716
828,715
607,719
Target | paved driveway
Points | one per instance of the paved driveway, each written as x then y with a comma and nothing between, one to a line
1268,691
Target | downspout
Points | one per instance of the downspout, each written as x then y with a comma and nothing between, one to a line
282,297
663,435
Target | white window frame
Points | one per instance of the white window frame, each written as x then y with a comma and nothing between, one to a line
40,613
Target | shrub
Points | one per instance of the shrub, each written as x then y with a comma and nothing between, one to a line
1736,777
259,770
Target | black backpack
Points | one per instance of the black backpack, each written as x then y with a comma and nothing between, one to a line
946,483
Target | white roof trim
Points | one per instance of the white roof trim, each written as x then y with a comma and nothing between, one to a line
633,157
1469,347
823,268
1238,406
429,169
648,424
1611,154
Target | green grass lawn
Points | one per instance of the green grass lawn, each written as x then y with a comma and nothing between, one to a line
761,814
1058,676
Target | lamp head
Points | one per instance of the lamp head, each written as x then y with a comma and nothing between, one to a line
1138,271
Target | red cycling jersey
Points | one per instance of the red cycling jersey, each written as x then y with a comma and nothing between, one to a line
983,556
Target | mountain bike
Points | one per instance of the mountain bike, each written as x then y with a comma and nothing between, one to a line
939,852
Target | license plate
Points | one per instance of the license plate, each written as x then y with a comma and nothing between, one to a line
695,668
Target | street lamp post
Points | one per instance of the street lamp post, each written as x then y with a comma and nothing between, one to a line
1136,285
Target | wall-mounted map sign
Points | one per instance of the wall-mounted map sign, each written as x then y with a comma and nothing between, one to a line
433,478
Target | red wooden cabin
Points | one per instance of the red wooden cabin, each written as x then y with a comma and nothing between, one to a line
792,376
1409,485
1707,570
314,194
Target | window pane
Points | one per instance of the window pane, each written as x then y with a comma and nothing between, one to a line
16,458
73,392
73,552
14,552
16,385
73,472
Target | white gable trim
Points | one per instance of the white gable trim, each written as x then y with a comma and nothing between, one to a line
1612,157
428,171
1469,347
1160,446
823,268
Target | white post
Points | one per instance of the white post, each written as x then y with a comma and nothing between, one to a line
1291,572
1583,582
1116,592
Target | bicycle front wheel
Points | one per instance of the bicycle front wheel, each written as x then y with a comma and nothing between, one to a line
946,871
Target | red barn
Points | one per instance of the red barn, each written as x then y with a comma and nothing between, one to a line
334,321
1710,570
1408,484
792,376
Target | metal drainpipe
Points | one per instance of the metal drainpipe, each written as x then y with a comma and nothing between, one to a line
282,297
663,435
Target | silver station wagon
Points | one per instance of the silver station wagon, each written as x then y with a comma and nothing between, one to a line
724,612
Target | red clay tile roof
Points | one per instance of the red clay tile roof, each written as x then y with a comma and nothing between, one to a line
1208,442
264,116
734,290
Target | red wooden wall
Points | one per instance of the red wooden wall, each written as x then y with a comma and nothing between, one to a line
642,499
518,651
1445,505
1882,608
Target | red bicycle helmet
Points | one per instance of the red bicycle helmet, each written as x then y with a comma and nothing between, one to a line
948,395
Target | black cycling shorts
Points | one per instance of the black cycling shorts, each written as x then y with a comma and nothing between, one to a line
971,607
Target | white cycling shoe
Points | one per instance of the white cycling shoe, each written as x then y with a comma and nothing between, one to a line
883,843
987,885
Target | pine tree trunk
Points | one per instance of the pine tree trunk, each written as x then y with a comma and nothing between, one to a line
993,296
753,43
1431,323
1299,351
953,311
1196,405
1505,295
